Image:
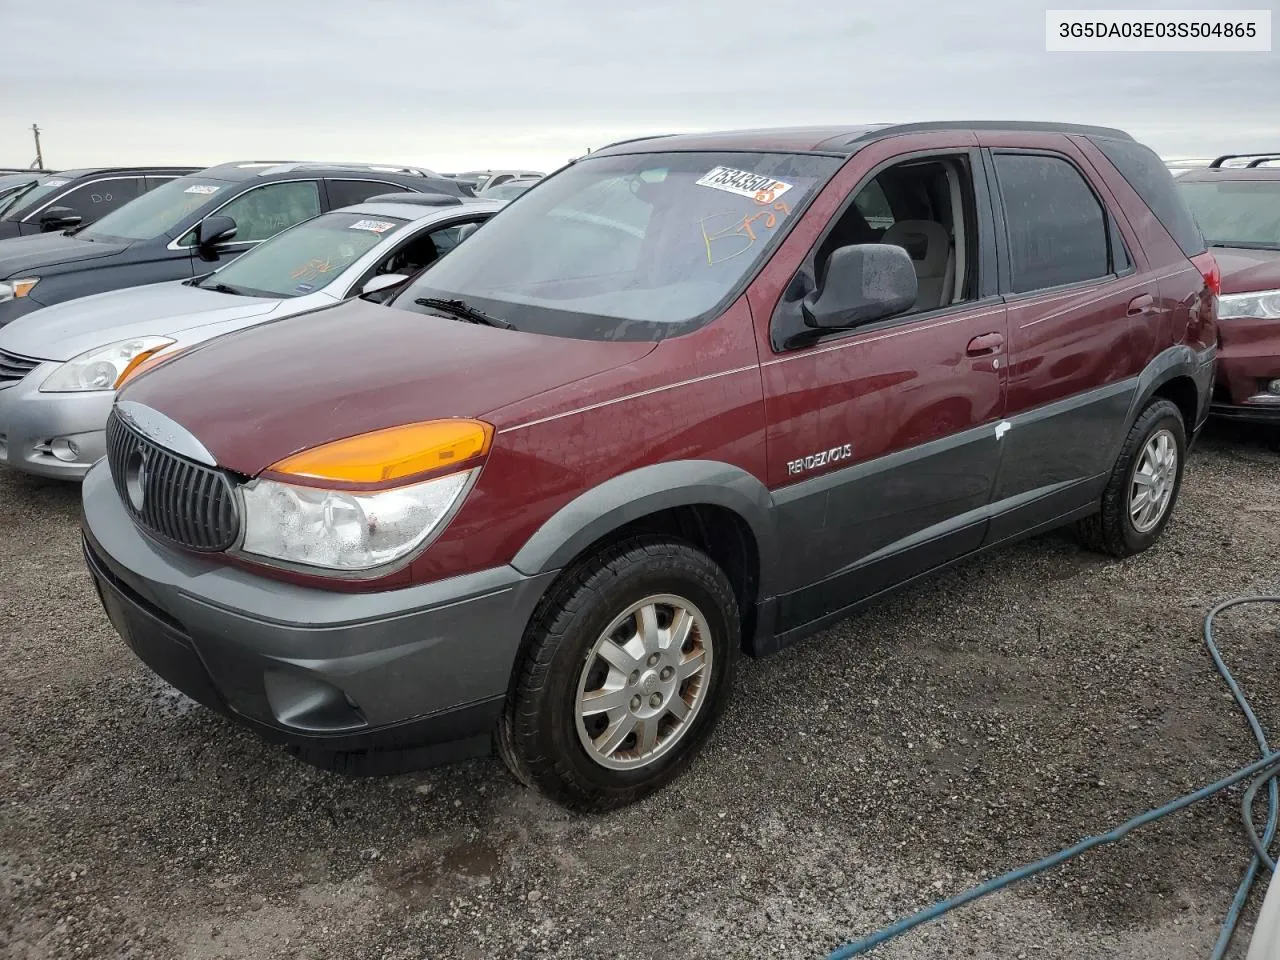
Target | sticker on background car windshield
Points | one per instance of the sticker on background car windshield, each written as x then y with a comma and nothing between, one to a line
744,184
375,226
203,188
56,183
304,288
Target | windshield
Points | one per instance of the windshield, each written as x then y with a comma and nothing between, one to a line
12,204
307,257
1236,213
626,247
157,212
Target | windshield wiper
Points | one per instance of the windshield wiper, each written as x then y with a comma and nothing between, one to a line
463,311
1245,245
222,288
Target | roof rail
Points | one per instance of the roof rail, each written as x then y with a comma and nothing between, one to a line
879,131
1261,160
618,143
364,167
1220,161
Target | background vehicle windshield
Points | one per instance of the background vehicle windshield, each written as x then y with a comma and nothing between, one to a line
307,257
627,247
510,190
14,203
158,212
1236,212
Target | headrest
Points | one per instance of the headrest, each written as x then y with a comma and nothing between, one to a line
926,241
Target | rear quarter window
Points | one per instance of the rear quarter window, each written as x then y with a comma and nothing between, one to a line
1152,181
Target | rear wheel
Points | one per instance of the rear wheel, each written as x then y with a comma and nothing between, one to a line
1144,484
628,664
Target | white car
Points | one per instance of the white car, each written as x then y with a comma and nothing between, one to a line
59,366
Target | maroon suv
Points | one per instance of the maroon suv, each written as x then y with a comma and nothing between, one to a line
687,397
1238,210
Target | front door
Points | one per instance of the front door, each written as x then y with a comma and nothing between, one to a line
883,441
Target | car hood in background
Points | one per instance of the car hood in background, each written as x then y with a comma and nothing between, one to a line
286,385
1243,271
68,329
22,255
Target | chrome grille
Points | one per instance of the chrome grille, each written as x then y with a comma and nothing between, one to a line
185,502
13,368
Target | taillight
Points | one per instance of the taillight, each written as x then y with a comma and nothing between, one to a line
1208,267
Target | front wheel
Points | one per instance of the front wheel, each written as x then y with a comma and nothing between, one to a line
1144,484
628,664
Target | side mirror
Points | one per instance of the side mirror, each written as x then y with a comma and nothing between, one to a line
213,231
59,218
863,282
383,281
466,230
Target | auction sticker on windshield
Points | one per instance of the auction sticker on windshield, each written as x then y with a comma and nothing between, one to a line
744,183
204,188
56,183
375,226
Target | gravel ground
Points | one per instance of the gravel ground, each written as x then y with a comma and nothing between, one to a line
992,715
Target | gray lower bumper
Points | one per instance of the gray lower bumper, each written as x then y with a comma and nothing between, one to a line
31,420
399,668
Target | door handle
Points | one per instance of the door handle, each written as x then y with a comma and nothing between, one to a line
984,345
1141,304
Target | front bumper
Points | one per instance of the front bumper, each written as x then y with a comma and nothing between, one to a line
1249,358
422,669
30,421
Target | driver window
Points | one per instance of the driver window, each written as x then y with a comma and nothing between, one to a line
264,211
423,250
930,216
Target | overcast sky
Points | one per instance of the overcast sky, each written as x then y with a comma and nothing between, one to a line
458,84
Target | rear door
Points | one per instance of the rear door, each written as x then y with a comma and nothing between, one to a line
1079,300
882,442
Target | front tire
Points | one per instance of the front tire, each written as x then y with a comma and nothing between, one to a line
627,665
1140,495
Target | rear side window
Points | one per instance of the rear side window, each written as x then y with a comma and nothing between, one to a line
1152,181
1056,227
344,193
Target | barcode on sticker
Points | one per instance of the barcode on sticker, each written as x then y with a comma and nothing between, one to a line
201,188
744,183
375,226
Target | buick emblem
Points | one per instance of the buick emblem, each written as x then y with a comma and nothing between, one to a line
135,479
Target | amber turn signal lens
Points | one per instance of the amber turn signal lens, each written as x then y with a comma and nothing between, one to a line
393,453
143,361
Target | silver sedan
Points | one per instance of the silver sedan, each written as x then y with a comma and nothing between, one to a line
59,366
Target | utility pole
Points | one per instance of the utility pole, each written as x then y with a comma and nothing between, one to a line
39,164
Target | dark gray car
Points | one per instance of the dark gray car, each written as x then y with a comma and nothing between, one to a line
189,226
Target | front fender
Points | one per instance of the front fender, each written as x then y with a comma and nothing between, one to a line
639,493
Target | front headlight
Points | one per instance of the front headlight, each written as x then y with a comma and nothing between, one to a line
13,289
303,510
1264,303
342,529
101,367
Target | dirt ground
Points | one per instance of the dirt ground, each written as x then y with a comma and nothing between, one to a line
992,715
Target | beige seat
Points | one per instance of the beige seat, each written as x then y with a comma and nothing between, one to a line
929,246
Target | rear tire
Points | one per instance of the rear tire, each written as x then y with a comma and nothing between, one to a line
627,665
1143,488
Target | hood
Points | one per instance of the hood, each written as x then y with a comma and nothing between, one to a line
22,255
1243,271
68,329
261,394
